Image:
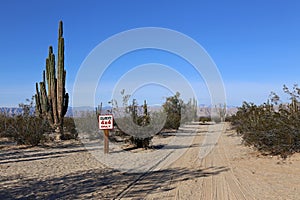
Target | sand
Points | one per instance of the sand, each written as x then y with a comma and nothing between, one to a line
69,171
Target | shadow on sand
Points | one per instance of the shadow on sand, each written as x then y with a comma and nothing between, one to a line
97,183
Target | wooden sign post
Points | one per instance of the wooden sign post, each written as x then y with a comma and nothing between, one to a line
106,123
106,143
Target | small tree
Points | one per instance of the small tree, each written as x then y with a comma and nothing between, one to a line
172,107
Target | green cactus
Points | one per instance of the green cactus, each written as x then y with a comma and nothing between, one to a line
52,103
99,110
134,112
146,117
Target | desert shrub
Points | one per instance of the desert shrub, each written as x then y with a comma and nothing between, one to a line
217,120
173,121
141,142
70,131
130,118
271,127
87,122
3,124
189,111
178,112
136,115
221,113
229,118
174,113
204,119
28,130
24,128
172,107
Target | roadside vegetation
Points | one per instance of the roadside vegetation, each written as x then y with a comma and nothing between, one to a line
273,127
133,120
43,119
28,129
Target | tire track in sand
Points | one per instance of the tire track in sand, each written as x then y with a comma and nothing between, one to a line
218,180
215,178
224,185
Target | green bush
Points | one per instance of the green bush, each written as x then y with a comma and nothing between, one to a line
172,107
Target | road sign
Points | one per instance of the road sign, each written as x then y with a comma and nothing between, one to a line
106,122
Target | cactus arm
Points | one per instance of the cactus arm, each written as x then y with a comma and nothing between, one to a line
51,97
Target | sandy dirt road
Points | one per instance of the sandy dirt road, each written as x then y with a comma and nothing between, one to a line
233,171
229,171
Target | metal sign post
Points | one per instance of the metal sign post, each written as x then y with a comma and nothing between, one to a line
106,123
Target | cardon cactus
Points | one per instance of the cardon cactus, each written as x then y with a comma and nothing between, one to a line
51,97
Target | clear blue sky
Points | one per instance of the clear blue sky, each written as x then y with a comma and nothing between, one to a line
255,44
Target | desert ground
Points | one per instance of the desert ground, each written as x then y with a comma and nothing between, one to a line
68,171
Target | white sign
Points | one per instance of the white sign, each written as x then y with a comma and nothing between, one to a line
106,122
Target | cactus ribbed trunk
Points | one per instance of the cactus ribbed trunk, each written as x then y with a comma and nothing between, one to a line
98,110
146,117
52,103
60,73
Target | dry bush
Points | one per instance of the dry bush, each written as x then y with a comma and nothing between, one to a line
271,127
27,130
70,131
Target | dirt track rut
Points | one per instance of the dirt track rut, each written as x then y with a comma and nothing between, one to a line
227,172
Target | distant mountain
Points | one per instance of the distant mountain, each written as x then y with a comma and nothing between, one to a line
77,111
203,110
11,111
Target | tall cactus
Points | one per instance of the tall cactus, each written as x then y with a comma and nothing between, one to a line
52,103
99,110
146,117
